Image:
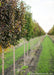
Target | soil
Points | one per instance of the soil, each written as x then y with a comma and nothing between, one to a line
32,60
32,63
9,71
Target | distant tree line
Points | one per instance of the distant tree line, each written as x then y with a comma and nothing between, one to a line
51,32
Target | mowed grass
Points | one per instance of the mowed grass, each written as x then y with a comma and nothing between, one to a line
8,60
46,59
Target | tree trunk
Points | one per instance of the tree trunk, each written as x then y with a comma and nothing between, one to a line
27,49
2,61
24,52
14,60
30,45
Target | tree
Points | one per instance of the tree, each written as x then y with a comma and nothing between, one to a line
36,29
51,31
7,9
15,22
10,26
28,27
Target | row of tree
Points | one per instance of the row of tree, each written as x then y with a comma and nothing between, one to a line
15,23
51,32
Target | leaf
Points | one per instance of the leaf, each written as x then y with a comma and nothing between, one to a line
0,3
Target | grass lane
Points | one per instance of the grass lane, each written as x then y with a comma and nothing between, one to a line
46,59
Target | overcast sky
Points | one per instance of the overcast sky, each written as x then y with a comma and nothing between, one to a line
43,12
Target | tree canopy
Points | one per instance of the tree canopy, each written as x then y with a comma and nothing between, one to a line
16,22
51,31
11,24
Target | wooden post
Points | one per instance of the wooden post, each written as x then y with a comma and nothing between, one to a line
27,49
14,60
30,45
24,52
2,61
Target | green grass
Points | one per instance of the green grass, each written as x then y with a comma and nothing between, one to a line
18,53
47,55
24,67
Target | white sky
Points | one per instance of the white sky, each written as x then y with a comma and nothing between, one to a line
43,12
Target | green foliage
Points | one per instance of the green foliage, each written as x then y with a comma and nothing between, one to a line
29,73
24,67
51,32
36,29
32,28
16,22
0,3
28,27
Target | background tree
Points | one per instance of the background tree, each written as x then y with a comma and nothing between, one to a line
36,29
51,32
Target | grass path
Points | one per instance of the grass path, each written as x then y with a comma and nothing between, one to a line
46,60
